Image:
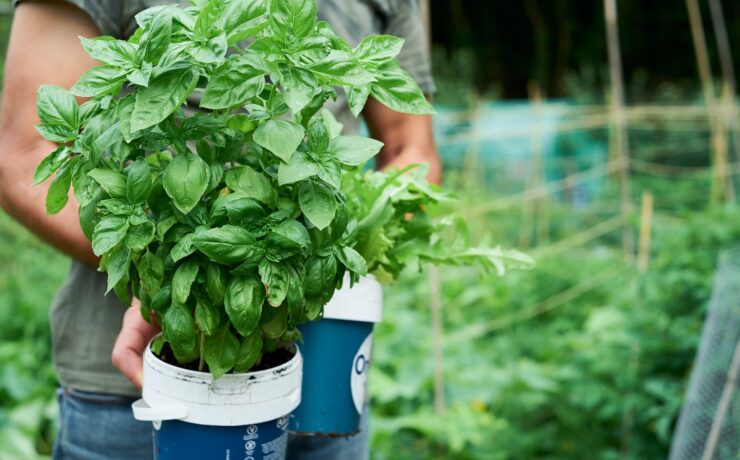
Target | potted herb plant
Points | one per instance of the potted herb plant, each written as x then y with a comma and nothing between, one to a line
231,223
398,221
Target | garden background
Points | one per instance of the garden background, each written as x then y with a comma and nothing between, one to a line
614,162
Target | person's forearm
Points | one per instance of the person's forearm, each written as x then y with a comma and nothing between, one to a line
26,202
413,154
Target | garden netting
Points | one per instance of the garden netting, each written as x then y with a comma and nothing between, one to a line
709,425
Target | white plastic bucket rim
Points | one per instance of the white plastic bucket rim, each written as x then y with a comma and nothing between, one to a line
173,393
362,302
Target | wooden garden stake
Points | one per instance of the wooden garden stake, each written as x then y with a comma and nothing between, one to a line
620,123
646,224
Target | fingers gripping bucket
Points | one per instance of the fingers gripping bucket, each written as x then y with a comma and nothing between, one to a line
336,352
234,417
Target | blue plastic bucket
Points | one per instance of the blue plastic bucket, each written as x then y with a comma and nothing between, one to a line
238,416
337,354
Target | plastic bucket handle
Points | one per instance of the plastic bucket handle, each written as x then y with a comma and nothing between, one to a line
144,412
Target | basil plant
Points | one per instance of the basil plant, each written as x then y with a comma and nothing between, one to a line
228,222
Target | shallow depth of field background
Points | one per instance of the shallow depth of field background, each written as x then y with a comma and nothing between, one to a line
586,357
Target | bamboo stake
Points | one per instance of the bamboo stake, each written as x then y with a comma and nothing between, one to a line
723,406
646,223
621,139
720,187
529,208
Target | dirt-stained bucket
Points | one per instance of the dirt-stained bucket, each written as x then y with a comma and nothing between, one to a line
237,416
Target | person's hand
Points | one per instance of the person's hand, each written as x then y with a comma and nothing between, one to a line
132,340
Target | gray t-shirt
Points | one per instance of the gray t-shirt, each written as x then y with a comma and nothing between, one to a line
84,321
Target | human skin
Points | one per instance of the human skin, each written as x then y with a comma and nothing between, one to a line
56,57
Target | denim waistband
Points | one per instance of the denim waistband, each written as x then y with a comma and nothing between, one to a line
97,398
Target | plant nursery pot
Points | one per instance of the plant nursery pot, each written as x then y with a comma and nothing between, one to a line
336,351
237,416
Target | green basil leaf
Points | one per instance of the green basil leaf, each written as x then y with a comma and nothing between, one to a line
331,173
234,82
98,81
354,150
293,233
139,181
299,87
207,316
178,328
56,133
300,167
396,89
162,300
108,50
110,231
226,245
113,182
250,352
141,75
378,49
56,106
221,352
275,279
317,203
163,96
207,20
321,273
276,327
215,282
357,98
242,18
339,68
251,183
117,269
151,272
58,193
186,180
183,248
182,281
234,207
157,33
281,137
292,17
243,303
352,260
139,236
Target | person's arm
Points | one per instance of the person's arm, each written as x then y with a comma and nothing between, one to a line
44,48
407,139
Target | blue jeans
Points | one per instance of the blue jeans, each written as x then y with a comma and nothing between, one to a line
98,426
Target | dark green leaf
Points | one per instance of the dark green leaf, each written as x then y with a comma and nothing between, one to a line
113,182
182,281
110,231
183,248
215,282
151,272
276,327
140,235
207,316
352,260
57,106
300,167
117,268
233,83
186,180
221,352
317,203
228,244
58,194
243,303
281,137
275,279
321,273
249,352
251,183
179,330
293,233
163,96
138,181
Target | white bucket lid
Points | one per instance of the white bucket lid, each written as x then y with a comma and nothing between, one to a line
363,302
170,392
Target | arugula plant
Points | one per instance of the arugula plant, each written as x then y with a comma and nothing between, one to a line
229,223
400,223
